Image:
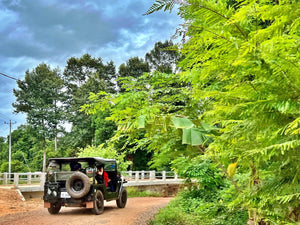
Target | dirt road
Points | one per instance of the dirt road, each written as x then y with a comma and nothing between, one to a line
137,212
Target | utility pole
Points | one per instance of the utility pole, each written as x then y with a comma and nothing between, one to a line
9,148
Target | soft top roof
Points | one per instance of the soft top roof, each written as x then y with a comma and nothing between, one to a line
96,160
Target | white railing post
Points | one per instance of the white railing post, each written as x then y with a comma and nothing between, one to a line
5,176
175,176
42,179
16,180
143,175
137,174
164,175
152,175
29,178
130,174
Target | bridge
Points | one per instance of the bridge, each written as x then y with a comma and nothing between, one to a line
32,183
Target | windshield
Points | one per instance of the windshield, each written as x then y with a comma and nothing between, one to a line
110,166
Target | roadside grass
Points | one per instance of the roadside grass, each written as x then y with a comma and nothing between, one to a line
172,214
134,192
186,209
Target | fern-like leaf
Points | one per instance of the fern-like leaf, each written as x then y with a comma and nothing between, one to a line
288,198
159,4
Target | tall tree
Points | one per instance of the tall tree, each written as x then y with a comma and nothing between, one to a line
3,150
82,76
134,67
104,129
39,96
163,57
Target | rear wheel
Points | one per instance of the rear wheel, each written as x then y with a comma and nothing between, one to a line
121,202
54,208
98,203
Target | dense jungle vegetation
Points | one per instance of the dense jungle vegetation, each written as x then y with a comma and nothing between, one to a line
221,109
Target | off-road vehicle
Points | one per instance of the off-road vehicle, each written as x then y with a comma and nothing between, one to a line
75,182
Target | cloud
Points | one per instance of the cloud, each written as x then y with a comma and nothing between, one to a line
42,29
45,29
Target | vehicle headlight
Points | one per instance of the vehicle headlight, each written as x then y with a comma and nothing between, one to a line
49,191
54,193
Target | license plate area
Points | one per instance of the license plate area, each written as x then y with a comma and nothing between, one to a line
65,195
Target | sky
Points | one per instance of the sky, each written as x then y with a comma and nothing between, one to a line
52,31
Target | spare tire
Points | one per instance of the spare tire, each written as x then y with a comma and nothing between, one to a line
78,185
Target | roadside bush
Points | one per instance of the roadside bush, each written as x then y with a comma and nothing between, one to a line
16,166
108,152
206,200
195,211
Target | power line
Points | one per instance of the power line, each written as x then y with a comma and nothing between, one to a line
5,75
4,116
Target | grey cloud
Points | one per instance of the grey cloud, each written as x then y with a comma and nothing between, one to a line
52,29
49,29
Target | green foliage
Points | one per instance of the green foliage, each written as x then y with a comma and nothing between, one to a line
134,67
163,57
141,159
104,129
188,209
192,135
206,201
3,150
108,152
38,96
242,62
161,4
241,58
82,76
84,72
149,103
16,167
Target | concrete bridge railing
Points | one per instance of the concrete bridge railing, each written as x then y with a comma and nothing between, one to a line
149,175
16,179
133,177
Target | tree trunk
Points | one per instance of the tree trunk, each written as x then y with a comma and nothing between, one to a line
55,143
254,180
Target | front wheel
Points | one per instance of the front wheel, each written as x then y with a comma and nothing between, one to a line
98,203
54,208
121,202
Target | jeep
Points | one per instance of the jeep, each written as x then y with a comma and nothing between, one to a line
76,182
